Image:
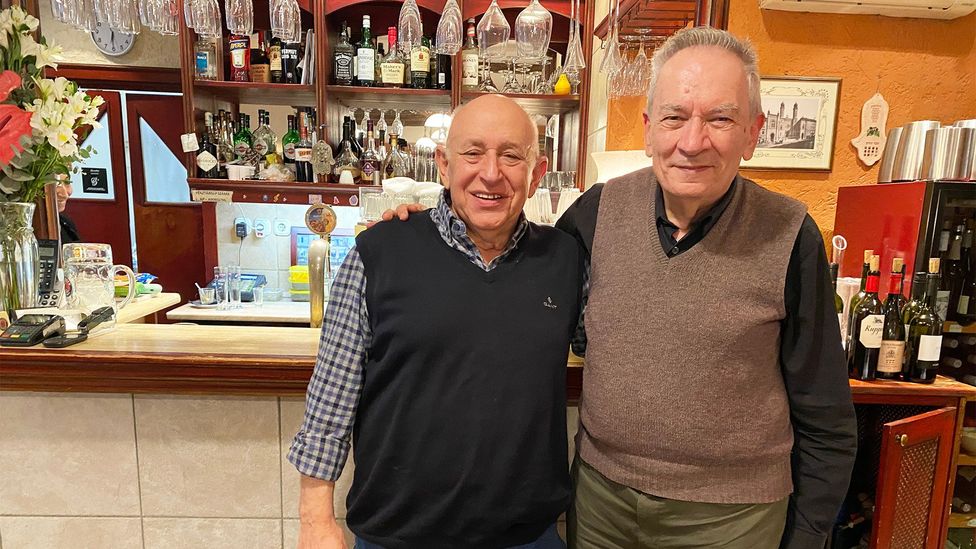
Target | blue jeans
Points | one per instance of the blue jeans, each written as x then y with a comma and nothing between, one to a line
548,540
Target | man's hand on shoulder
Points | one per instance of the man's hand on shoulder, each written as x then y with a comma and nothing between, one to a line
403,211
325,534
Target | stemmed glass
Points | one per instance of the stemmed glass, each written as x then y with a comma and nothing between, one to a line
381,125
396,128
612,63
533,29
286,20
574,51
410,28
240,16
493,34
447,41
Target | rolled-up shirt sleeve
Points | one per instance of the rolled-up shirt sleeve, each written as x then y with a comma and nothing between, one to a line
322,444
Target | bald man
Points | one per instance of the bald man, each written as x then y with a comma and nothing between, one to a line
443,353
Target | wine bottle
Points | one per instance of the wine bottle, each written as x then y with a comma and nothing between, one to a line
865,268
342,59
469,61
919,296
868,327
955,275
925,335
838,302
260,64
303,151
966,308
892,354
289,140
366,57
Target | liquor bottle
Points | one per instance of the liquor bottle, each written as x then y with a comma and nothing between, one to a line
260,64
919,297
381,147
954,277
366,57
205,55
966,308
240,58
892,354
370,163
838,302
380,56
356,137
289,140
469,61
265,140
207,164
420,64
391,67
443,72
342,70
289,62
303,151
868,326
243,141
398,163
855,299
944,236
925,335
274,60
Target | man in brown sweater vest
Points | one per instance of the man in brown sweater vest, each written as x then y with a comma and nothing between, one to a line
715,410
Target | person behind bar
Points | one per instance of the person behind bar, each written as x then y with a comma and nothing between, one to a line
715,409
443,353
68,229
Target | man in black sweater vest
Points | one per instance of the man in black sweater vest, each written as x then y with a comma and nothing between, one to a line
443,355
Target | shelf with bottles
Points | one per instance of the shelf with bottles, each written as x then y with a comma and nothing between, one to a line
280,192
257,93
360,95
547,104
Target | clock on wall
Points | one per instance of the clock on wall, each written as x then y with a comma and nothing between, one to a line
111,42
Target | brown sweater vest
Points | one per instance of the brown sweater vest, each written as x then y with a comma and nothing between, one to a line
683,396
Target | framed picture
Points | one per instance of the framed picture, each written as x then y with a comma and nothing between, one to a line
801,119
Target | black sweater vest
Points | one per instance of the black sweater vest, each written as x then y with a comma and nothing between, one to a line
460,434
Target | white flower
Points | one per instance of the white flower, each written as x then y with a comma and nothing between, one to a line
45,56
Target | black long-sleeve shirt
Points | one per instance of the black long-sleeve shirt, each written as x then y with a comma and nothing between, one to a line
812,359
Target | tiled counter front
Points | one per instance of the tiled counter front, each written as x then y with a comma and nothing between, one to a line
153,472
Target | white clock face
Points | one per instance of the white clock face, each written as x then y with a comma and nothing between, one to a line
111,42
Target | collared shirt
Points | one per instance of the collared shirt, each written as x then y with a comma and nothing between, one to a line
822,441
666,229
322,444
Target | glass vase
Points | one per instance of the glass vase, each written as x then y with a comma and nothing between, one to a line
19,260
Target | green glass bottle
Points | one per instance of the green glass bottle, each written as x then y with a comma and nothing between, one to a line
242,139
892,358
924,344
855,299
919,297
290,140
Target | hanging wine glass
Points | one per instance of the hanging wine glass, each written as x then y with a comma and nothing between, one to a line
381,125
240,16
286,20
447,41
410,27
533,29
396,128
612,62
493,35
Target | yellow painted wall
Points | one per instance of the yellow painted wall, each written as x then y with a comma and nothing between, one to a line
926,69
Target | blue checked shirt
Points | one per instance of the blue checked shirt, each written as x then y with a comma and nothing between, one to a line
322,444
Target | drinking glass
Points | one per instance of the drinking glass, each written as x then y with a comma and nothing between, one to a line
240,16
447,41
493,35
533,29
286,20
90,278
220,287
397,127
258,296
208,296
234,286
410,28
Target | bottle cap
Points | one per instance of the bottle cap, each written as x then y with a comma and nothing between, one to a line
875,260
896,264
934,265
867,255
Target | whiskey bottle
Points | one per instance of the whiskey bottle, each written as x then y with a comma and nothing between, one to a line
342,71
391,67
366,57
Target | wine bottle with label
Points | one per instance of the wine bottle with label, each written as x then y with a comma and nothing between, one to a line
868,328
919,297
924,344
892,355
954,274
366,57
855,299
966,308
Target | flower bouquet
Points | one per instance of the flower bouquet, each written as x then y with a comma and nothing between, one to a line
40,123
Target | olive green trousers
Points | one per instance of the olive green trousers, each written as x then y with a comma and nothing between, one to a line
607,515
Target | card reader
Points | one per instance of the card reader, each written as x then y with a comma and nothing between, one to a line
31,329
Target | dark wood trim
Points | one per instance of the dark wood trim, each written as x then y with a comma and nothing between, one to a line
186,78
115,77
210,247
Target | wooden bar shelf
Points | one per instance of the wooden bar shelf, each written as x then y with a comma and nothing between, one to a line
281,192
547,104
387,98
258,93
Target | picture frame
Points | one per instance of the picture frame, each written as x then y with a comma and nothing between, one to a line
801,124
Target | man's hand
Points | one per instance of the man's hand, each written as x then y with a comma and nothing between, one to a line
403,211
319,529
325,534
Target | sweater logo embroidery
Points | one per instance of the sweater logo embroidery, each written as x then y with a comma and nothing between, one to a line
549,304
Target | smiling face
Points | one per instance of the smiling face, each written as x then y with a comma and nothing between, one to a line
700,126
491,165
62,193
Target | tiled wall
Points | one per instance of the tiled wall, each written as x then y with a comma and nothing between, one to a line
145,471
271,255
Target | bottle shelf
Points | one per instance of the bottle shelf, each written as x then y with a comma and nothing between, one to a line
361,96
956,328
535,103
280,192
258,93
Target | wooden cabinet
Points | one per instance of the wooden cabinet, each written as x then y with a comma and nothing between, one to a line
331,101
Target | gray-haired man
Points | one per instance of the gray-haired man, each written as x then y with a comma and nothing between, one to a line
715,409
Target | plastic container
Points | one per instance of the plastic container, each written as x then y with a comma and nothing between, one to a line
273,294
299,286
298,274
299,295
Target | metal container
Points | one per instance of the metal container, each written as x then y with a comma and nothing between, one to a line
888,155
947,154
911,151
971,123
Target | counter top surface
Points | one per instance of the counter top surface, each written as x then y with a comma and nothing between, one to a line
146,305
189,359
290,312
